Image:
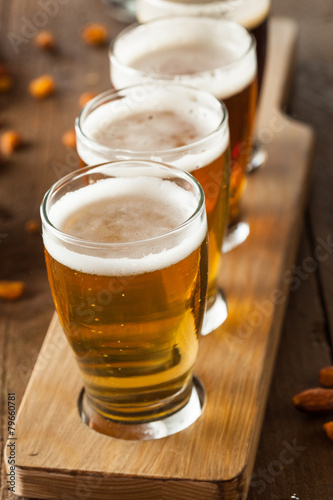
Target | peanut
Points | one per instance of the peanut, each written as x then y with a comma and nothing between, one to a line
95,34
10,142
45,40
314,400
11,290
42,87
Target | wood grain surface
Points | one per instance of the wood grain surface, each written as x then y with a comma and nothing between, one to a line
306,342
294,455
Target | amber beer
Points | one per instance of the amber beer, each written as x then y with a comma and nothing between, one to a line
252,14
126,254
215,55
174,124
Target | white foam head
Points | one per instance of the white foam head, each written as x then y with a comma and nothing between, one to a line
248,13
94,138
123,259
235,64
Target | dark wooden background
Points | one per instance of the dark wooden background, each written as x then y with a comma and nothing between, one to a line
294,455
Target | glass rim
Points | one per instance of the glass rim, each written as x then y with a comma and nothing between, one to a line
223,9
183,18
108,95
81,172
203,4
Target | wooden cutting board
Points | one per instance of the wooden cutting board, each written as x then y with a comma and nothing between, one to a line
58,456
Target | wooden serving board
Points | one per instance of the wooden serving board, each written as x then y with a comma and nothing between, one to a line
58,456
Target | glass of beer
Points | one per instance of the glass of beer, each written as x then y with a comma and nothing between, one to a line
252,14
122,10
216,55
126,254
178,125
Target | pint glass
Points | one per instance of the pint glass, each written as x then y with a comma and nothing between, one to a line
126,255
252,14
216,55
177,125
122,10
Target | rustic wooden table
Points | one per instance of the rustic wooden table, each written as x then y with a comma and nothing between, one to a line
294,455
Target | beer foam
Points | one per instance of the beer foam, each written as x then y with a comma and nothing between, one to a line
233,63
140,257
248,13
151,126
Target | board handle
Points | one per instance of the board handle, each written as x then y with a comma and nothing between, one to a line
279,69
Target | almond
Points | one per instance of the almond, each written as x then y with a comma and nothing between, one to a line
314,400
326,376
11,290
328,428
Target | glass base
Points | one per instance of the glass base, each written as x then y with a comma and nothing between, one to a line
216,313
236,234
122,10
157,429
258,157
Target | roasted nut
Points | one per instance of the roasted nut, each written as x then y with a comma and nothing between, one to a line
10,142
326,376
45,40
314,400
11,290
95,34
42,87
86,97
69,139
32,226
328,428
6,80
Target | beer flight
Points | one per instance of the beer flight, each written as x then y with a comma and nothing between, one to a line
133,239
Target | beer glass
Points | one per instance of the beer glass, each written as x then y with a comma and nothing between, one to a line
216,55
126,254
122,10
252,14
174,124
